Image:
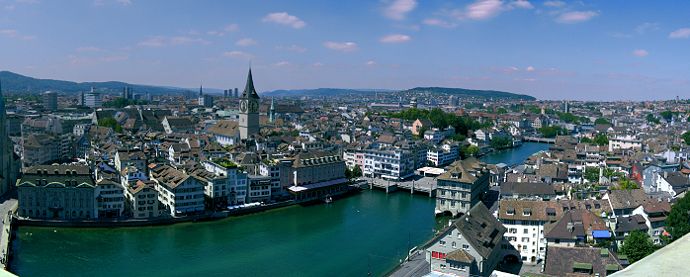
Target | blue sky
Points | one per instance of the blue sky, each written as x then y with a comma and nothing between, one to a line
599,50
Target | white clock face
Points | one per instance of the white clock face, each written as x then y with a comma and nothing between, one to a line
243,106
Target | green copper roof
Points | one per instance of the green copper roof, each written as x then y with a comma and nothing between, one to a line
586,266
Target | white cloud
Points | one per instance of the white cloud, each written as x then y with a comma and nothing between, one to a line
124,2
530,68
281,64
238,55
245,42
398,9
554,4
370,63
232,28
640,53
160,41
439,23
81,60
680,33
317,64
347,46
292,48
646,27
284,18
395,38
12,33
522,4
576,16
484,9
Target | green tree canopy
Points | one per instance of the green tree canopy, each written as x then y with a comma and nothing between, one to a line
686,137
601,120
678,220
637,245
552,131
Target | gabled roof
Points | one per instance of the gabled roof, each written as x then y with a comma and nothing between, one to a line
527,189
561,261
481,229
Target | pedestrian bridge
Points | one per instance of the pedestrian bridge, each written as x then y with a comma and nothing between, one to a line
418,184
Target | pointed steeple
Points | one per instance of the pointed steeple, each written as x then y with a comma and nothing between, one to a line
249,91
201,90
273,108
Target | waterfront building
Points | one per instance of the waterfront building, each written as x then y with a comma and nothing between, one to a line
9,162
142,199
178,192
110,198
388,163
50,101
271,168
57,192
315,175
259,189
249,110
444,154
525,220
229,181
462,186
472,246
92,99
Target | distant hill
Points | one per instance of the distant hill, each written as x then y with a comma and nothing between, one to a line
320,92
461,92
19,83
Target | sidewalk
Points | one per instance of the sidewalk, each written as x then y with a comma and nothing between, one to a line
7,208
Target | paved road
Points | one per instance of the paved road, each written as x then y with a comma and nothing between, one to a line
415,267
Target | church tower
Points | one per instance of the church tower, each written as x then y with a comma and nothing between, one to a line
272,112
249,110
9,167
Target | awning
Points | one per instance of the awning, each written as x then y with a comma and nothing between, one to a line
601,234
301,188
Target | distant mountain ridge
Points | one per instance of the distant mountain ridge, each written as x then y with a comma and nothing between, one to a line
318,92
19,83
471,93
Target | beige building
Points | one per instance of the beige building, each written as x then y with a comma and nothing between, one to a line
142,199
461,186
57,192
181,194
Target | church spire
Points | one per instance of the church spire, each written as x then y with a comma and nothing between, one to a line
273,108
249,91
201,90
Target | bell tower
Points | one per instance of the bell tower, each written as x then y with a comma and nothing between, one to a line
249,110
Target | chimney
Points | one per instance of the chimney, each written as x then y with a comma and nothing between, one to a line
570,227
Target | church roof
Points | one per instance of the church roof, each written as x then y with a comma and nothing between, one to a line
249,91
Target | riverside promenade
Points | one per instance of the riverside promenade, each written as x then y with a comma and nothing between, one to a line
7,208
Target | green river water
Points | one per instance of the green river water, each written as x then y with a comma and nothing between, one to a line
364,234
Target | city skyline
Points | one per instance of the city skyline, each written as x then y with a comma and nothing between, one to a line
547,49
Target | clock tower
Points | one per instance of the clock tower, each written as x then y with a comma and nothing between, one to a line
249,110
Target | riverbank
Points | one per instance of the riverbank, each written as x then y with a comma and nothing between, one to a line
207,216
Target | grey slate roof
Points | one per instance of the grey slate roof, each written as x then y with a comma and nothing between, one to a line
481,229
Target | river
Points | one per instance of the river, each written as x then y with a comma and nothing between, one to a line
366,233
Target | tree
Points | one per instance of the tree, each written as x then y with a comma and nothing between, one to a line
501,111
652,119
470,151
551,131
686,137
637,245
601,140
500,142
110,122
627,184
357,171
667,115
678,220
601,120
592,174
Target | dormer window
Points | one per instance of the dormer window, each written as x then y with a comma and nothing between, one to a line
510,211
527,212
